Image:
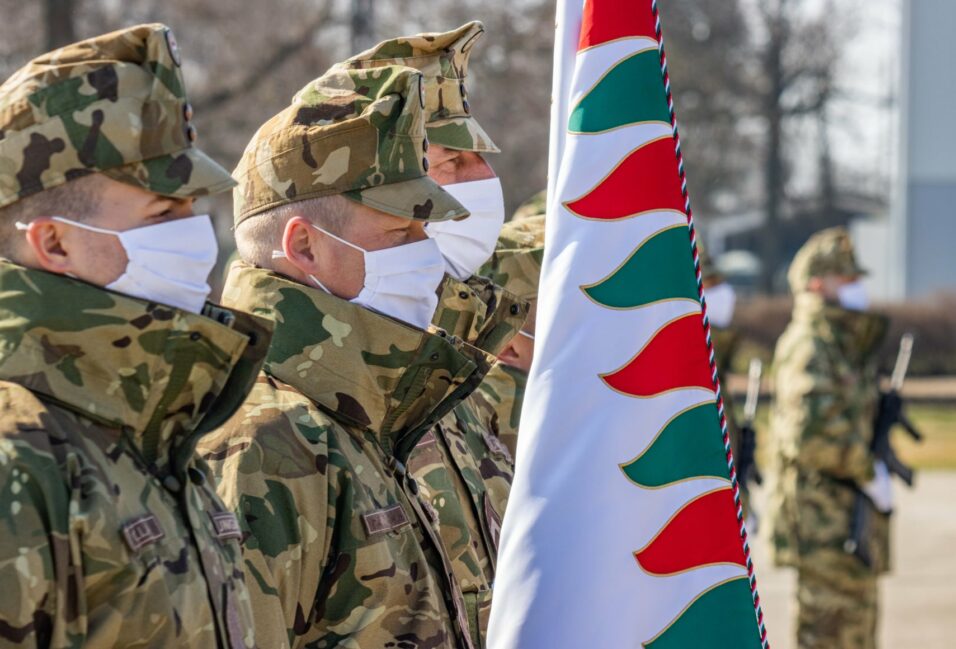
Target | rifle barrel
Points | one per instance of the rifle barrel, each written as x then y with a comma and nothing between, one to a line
753,389
902,362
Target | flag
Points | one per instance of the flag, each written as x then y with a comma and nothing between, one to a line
624,526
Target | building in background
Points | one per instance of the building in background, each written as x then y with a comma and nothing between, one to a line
911,254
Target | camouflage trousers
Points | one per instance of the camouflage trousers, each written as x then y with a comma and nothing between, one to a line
836,605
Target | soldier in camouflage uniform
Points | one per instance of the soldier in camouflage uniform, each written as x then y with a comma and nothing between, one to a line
721,301
821,424
516,265
111,533
341,545
463,469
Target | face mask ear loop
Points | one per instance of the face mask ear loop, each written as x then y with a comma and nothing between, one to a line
278,254
522,332
84,226
319,284
20,225
339,239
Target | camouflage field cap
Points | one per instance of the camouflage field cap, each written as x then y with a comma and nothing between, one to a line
828,252
359,133
114,104
443,59
516,262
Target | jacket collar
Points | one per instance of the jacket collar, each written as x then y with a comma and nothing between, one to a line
363,368
479,312
162,375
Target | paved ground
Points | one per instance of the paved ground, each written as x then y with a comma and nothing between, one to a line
919,598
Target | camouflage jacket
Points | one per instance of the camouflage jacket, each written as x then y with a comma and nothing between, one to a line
822,424
499,399
111,533
464,471
340,547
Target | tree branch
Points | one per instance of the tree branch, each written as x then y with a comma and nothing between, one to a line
266,65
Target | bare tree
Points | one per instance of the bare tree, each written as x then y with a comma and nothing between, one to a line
795,80
707,50
58,18
362,25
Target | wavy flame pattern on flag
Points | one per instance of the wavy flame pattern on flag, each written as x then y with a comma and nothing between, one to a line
705,530
623,440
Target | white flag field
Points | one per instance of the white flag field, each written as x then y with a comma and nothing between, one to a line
623,527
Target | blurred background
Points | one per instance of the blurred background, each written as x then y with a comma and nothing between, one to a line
795,115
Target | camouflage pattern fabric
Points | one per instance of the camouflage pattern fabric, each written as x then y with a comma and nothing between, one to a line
836,605
111,533
114,104
537,205
516,262
479,312
443,60
726,343
828,252
499,399
821,424
515,265
341,548
464,471
358,133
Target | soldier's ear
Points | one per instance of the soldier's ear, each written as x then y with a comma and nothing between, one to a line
46,246
297,241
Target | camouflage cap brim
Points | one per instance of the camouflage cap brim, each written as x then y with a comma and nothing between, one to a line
189,173
419,199
461,133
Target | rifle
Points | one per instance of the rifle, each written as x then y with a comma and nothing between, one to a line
747,468
889,413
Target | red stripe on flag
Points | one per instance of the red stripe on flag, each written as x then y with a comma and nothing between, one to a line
646,181
609,20
703,533
676,357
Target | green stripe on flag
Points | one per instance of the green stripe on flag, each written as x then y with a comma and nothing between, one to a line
630,93
688,447
721,618
659,269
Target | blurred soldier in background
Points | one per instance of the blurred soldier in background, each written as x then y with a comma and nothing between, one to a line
821,423
463,470
113,364
721,302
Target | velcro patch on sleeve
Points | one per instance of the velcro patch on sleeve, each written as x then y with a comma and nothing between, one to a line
385,520
226,525
141,531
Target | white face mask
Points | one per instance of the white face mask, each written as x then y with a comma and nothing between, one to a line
721,300
168,262
469,243
401,282
853,296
